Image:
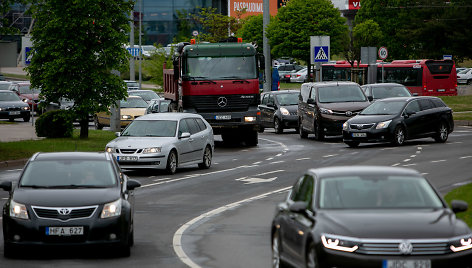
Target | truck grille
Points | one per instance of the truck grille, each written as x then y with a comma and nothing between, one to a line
220,103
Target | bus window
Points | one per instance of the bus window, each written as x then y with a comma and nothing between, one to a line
401,75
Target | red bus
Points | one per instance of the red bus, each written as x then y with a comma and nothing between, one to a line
423,77
341,71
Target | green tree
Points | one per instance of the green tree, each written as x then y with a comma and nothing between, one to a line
76,46
155,65
216,26
289,32
251,31
364,34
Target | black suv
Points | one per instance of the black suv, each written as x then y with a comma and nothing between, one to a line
324,107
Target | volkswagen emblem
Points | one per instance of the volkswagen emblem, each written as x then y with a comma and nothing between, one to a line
64,211
349,113
405,247
222,101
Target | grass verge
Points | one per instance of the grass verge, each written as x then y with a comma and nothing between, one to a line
462,193
24,149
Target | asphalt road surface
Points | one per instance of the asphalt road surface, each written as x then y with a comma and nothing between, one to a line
221,217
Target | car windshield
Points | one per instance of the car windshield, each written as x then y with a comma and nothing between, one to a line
146,95
132,84
151,128
387,92
26,89
216,68
384,107
341,93
4,86
464,71
287,99
376,191
9,96
133,103
68,174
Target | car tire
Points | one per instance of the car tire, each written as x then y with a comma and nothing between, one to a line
171,166
11,119
278,126
206,158
311,261
399,136
26,118
318,131
352,144
261,129
303,133
442,133
276,250
96,123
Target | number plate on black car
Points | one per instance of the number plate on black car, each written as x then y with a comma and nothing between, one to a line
14,113
223,117
359,135
406,264
65,231
127,158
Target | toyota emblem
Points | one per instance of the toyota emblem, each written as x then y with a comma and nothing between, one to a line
348,113
222,101
405,247
64,211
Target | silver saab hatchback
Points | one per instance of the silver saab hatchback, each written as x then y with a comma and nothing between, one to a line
164,141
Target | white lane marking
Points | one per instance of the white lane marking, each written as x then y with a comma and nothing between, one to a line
397,164
270,172
455,142
278,154
195,175
277,162
461,183
393,148
235,159
408,165
329,155
163,179
437,161
304,158
413,155
4,198
177,239
257,163
464,157
270,158
407,160
420,148
255,180
13,170
418,152
285,148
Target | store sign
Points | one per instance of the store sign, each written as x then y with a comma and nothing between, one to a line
253,7
354,4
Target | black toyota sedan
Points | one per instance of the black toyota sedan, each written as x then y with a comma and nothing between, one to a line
398,119
68,199
368,216
12,107
279,110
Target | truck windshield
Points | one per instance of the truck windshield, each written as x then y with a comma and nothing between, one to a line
217,68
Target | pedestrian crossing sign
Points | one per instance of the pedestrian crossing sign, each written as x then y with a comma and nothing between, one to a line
321,54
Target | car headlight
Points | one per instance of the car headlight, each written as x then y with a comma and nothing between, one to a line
461,244
383,124
345,125
249,118
18,210
1,109
26,101
152,150
111,209
325,111
109,149
126,117
26,108
337,243
284,111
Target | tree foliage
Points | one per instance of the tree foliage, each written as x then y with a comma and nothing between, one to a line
364,34
289,32
76,46
251,31
415,29
216,26
5,19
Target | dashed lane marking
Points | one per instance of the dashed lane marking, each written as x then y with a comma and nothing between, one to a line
437,161
304,158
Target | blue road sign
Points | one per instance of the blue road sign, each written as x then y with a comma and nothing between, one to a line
321,54
28,55
135,52
447,57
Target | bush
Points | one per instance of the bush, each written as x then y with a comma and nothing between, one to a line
55,124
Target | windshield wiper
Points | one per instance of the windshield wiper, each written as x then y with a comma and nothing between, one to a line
203,78
237,78
70,186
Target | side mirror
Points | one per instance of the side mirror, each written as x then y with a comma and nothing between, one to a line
184,135
370,98
6,185
459,206
310,101
132,184
117,134
408,114
298,207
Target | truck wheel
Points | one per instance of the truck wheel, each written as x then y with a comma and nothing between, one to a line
251,138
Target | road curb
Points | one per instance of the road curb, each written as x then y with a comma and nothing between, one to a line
13,163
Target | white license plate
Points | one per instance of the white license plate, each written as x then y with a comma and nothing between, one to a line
65,231
14,113
406,264
359,135
441,90
222,117
127,158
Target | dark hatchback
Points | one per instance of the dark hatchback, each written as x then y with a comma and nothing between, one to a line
368,216
12,107
69,199
399,119
279,110
323,107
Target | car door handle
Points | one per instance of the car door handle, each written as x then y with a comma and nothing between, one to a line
190,139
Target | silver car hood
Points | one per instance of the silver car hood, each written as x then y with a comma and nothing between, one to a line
140,142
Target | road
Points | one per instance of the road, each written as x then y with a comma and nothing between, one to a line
220,217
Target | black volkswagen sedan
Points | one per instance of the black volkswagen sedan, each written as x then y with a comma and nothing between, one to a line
368,216
398,119
12,107
279,110
66,199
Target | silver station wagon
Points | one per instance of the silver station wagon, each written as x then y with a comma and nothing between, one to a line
164,141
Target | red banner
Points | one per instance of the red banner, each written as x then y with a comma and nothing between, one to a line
354,4
253,7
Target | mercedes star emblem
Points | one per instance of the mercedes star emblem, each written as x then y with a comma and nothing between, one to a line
222,101
405,247
64,211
